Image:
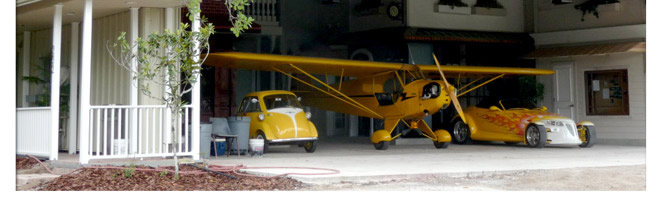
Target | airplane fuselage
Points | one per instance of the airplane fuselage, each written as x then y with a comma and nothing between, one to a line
386,96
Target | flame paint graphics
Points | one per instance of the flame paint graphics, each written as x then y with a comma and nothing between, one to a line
514,122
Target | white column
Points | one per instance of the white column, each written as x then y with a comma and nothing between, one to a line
195,95
170,25
133,88
73,90
55,80
85,82
26,67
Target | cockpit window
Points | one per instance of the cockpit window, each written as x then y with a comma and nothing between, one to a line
281,101
431,91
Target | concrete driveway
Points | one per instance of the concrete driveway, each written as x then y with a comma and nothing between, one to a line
356,159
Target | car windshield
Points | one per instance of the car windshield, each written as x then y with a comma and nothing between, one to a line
517,103
507,103
281,101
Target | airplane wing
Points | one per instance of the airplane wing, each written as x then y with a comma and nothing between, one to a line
455,70
328,66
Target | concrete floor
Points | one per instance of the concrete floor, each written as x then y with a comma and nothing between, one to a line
357,160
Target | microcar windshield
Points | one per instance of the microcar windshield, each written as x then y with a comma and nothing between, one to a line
281,101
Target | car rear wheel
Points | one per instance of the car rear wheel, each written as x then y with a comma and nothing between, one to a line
383,145
589,137
310,146
461,133
266,142
536,136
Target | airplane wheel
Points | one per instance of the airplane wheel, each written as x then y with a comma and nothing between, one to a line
441,145
589,138
536,136
383,145
461,133
310,146
266,142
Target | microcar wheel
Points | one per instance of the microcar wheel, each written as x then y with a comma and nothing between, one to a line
536,136
461,133
310,146
589,138
441,145
266,142
383,145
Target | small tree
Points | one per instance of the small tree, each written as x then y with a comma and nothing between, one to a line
172,59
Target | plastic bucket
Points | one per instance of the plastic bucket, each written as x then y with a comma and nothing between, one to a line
256,147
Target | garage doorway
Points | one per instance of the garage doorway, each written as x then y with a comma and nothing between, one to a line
564,94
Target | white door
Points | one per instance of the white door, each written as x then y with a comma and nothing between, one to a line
564,94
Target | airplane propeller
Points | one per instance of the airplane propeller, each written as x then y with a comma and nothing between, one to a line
452,93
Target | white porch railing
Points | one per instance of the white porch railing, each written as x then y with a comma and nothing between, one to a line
110,136
33,135
265,12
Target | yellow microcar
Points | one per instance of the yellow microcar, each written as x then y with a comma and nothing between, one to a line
277,117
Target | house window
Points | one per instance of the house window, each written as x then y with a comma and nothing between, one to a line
607,92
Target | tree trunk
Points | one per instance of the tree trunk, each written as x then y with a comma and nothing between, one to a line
174,118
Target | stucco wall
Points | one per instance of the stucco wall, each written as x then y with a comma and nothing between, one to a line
551,17
625,129
421,14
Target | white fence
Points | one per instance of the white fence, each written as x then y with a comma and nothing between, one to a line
265,12
33,135
110,134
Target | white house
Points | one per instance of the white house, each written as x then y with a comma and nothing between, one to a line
108,117
600,65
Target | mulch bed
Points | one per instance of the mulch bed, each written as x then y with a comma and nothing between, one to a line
25,162
118,180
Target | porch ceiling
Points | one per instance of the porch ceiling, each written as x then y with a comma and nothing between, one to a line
39,14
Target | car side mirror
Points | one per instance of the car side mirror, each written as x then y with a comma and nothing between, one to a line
544,108
494,108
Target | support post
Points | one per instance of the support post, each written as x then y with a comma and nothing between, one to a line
170,26
85,83
55,81
73,91
26,67
133,88
195,95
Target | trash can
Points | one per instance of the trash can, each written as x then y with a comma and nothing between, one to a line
205,140
240,126
220,147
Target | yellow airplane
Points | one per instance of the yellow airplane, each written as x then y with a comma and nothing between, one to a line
394,92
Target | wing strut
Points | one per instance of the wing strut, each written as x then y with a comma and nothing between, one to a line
353,103
479,85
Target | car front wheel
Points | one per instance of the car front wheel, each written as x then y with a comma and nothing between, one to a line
536,136
589,137
266,142
461,133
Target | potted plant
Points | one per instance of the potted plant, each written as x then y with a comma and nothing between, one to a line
453,6
488,7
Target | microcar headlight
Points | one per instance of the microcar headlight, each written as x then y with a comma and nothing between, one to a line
260,117
308,115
